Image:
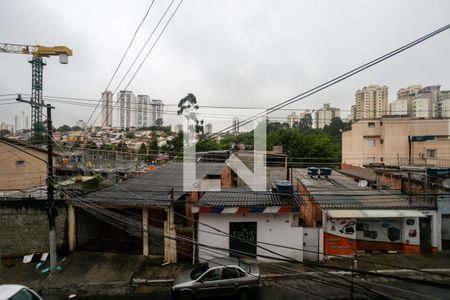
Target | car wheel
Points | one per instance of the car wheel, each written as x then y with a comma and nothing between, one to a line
244,295
185,296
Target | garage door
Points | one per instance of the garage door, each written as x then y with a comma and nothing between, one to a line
243,239
94,234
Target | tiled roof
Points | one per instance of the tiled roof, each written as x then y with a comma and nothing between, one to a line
340,192
246,198
152,188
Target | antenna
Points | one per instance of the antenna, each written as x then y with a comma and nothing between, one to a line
363,183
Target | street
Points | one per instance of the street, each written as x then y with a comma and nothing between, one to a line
305,289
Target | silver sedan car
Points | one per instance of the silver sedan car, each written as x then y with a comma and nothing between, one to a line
218,277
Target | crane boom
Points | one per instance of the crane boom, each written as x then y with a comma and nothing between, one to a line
37,69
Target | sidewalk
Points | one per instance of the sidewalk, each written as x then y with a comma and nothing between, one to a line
87,273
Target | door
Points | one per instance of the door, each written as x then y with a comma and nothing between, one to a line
156,218
243,239
425,234
209,284
311,244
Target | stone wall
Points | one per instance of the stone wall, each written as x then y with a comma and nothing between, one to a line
24,227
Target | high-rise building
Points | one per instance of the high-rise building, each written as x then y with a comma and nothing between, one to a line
292,119
157,111
80,123
126,106
235,125
371,102
426,104
444,107
324,115
107,109
144,111
208,128
21,122
178,128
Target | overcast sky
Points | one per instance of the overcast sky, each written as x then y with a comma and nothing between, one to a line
226,52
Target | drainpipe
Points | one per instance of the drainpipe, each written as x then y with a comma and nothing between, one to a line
409,150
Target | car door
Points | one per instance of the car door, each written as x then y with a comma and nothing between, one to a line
230,280
208,284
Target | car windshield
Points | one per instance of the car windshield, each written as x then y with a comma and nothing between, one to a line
244,266
199,271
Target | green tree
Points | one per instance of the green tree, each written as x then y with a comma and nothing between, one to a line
142,152
153,148
4,132
64,128
76,128
90,145
305,123
189,106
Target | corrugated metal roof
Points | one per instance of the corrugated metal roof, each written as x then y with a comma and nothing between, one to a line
246,198
341,192
153,188
374,213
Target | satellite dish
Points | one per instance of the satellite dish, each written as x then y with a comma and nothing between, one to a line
446,183
362,183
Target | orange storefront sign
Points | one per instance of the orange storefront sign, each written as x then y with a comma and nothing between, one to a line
334,244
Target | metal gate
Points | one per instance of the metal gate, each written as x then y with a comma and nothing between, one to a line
311,244
243,239
425,234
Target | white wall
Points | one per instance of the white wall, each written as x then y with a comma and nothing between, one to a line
271,228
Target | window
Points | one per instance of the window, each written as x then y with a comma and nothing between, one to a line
381,123
212,275
371,124
24,294
20,163
381,141
381,159
229,273
371,142
370,160
431,153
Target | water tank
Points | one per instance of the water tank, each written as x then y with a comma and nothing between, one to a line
325,172
312,171
284,187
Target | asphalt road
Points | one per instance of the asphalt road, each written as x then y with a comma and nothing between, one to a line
317,288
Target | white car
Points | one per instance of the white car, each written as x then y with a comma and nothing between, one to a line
17,292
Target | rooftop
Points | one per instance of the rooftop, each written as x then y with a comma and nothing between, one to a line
152,188
341,192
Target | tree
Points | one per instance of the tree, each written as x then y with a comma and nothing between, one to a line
4,132
90,145
63,128
305,123
76,128
142,152
159,122
188,106
336,127
153,148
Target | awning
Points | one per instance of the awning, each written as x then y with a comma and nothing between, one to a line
374,213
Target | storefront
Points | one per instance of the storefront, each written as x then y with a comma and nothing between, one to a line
347,231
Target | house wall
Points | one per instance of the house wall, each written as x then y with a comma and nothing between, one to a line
271,228
24,227
394,148
13,176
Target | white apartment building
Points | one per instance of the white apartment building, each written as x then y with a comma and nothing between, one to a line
424,108
444,104
401,107
21,122
324,115
107,109
157,111
371,102
208,128
144,110
126,101
292,119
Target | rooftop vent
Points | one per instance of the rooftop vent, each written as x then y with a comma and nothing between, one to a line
312,171
325,172
284,188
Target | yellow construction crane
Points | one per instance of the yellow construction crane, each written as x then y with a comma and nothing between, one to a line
37,65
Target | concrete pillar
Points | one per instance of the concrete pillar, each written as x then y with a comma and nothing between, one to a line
170,243
145,249
71,227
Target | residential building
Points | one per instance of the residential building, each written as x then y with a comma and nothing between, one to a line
157,112
444,104
324,115
235,125
266,224
152,215
424,108
126,101
401,107
9,127
355,218
371,102
21,122
178,128
208,128
431,106
397,141
144,110
107,109
292,119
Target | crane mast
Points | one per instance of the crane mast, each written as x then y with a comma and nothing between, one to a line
37,70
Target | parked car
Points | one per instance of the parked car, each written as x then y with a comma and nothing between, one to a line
218,277
17,292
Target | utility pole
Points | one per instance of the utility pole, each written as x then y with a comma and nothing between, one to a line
50,205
